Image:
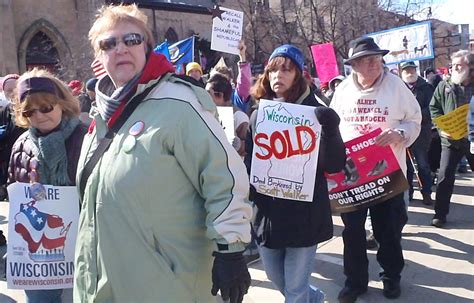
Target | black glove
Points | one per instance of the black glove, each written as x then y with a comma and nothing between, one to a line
328,119
332,156
231,276
327,116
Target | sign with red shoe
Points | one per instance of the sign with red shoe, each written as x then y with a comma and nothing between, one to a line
371,175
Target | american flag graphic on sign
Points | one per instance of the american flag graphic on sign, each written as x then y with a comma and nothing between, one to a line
42,231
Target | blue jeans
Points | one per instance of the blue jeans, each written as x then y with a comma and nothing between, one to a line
43,296
290,270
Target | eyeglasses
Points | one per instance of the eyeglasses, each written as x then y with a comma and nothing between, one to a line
130,39
43,109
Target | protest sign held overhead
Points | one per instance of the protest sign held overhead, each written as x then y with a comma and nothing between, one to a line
325,61
227,31
286,148
406,43
42,237
371,175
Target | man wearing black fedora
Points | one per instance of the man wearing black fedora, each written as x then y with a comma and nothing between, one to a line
369,99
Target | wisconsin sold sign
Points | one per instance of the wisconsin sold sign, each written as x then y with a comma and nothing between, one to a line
285,153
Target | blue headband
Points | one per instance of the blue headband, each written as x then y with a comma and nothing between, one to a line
36,85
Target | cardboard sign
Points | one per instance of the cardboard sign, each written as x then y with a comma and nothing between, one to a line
226,33
42,237
325,61
371,175
285,153
454,123
226,118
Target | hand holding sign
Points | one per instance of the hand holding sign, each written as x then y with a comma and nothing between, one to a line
445,135
389,136
327,117
242,50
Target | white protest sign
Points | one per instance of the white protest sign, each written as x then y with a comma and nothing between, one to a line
285,152
406,43
226,118
41,237
226,33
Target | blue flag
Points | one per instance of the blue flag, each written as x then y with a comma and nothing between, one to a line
163,49
182,52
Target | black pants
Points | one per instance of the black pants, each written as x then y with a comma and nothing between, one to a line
388,219
450,158
434,153
419,151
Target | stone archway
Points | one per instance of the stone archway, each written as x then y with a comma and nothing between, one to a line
171,36
43,31
41,52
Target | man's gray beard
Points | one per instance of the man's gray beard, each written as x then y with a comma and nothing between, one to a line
458,78
409,79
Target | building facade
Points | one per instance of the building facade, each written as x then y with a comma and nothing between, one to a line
53,33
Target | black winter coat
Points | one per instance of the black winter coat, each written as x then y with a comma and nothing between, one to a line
284,223
423,92
22,154
12,132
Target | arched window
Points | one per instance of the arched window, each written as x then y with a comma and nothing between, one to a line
41,52
171,35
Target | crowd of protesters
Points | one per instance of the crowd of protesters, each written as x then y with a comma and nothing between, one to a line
155,167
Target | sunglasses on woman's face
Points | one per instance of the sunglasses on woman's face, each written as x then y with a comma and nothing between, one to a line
43,109
130,39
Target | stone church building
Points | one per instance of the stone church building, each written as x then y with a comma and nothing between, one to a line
53,33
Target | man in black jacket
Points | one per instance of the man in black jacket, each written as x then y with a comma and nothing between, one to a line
423,92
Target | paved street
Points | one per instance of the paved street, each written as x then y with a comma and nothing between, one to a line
439,262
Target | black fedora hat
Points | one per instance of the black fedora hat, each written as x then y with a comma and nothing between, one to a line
361,47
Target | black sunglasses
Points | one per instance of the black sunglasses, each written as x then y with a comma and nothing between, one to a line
130,39
43,109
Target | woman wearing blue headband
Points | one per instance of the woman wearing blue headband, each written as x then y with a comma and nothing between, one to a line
49,151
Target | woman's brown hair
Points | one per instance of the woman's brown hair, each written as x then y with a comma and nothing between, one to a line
262,89
64,98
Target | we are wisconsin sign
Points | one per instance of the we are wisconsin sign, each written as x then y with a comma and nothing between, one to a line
285,153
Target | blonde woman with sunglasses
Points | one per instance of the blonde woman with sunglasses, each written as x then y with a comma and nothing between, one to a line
165,216
52,144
